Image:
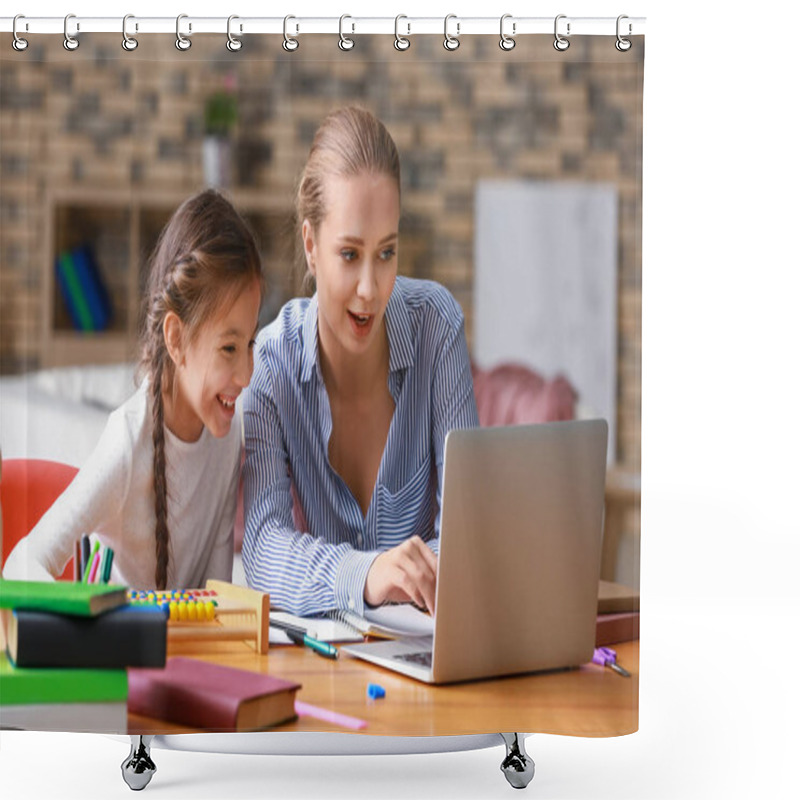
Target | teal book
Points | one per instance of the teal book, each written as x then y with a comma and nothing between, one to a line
19,685
62,597
92,287
74,297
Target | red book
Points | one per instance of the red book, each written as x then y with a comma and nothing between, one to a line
211,696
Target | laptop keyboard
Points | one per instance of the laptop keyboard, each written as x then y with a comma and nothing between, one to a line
424,658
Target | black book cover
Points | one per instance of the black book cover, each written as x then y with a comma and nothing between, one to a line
131,636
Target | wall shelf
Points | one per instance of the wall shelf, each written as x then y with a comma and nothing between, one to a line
122,228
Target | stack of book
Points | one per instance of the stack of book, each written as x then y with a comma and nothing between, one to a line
67,647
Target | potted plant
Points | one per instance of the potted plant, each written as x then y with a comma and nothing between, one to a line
219,119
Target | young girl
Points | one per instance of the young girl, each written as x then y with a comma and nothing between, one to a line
160,488
353,393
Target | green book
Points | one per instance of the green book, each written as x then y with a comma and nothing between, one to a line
20,685
62,597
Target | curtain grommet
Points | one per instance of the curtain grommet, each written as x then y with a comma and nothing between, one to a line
129,43
233,44
622,44
507,42
181,42
451,42
18,43
560,43
290,43
401,43
70,42
344,42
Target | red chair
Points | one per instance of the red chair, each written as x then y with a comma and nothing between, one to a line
28,487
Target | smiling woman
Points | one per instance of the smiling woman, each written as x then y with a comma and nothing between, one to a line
354,392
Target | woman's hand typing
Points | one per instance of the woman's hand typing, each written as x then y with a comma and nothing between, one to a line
404,574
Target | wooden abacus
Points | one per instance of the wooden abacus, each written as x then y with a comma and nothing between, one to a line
220,612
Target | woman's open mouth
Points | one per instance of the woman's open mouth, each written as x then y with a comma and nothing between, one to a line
361,323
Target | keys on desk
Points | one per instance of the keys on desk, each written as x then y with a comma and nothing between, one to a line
606,657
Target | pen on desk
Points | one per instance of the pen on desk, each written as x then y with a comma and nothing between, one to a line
322,648
287,626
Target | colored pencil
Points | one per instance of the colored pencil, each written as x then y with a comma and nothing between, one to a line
76,559
87,577
94,568
109,562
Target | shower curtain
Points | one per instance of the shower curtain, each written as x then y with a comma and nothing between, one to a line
521,195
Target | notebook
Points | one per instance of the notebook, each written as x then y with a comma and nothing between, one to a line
387,621
519,556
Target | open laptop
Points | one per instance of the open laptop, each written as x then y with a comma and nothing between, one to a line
519,556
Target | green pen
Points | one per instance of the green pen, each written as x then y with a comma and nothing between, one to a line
89,563
322,648
109,563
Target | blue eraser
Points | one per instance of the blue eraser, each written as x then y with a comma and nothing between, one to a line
375,692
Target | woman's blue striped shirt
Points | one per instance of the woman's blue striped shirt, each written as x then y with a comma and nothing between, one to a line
287,422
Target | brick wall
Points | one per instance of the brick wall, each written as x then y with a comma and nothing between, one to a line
100,117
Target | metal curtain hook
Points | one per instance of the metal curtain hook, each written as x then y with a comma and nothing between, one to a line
507,42
451,42
128,42
70,42
181,42
344,42
19,44
290,43
233,44
560,43
400,42
622,44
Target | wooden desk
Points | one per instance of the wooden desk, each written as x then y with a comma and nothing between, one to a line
590,701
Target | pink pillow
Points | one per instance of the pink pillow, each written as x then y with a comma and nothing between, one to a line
512,394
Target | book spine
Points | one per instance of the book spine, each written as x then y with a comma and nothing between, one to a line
92,286
61,597
76,300
66,294
23,685
127,637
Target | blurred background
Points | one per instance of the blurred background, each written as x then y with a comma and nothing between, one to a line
521,194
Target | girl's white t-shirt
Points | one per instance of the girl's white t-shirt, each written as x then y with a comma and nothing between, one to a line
112,499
